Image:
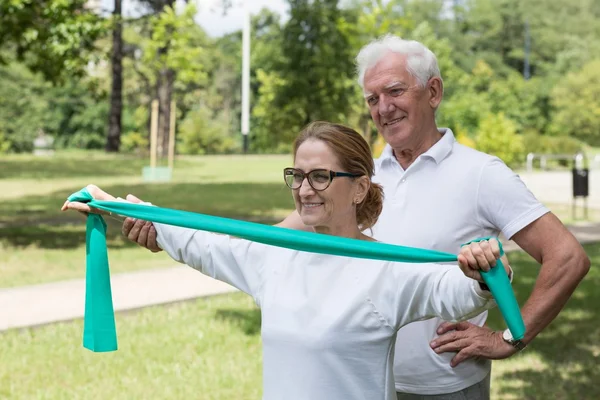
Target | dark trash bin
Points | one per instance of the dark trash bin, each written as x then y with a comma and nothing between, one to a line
581,182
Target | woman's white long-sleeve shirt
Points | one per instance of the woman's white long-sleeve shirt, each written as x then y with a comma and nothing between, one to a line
328,322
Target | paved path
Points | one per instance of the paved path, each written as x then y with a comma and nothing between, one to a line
62,301
557,186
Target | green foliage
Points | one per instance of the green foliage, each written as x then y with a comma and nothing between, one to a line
175,43
524,102
75,114
318,64
24,107
498,136
274,125
463,112
577,105
134,142
54,37
200,133
545,144
5,145
301,69
83,122
166,58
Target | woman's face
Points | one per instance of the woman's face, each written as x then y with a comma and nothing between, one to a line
333,207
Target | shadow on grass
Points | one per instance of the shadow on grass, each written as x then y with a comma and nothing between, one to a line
69,166
37,219
248,320
569,345
64,236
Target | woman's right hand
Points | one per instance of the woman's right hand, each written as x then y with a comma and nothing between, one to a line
139,231
97,194
481,256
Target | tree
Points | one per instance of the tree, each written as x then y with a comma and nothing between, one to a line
498,136
74,113
313,79
24,115
576,106
167,48
526,102
318,61
113,139
54,37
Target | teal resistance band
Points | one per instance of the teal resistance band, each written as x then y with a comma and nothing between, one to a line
101,329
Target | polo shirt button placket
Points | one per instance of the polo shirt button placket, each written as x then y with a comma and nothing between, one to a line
401,190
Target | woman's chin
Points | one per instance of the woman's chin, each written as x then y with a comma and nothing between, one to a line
310,220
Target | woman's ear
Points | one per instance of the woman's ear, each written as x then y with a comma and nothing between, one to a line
362,188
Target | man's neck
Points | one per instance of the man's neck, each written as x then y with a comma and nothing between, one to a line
406,156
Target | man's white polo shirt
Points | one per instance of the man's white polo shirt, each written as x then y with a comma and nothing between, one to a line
446,197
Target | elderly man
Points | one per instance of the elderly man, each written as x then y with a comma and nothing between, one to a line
431,202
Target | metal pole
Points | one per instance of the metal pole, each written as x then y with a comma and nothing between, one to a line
246,76
530,158
526,70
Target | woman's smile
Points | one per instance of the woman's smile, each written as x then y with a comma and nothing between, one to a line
311,205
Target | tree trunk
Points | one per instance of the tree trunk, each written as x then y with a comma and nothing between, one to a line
165,94
166,80
113,140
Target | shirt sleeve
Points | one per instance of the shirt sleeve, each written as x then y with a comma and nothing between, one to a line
504,202
435,290
237,262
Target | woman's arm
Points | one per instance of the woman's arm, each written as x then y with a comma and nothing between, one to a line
435,290
445,291
235,261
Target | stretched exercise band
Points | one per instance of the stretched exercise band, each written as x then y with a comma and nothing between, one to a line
99,324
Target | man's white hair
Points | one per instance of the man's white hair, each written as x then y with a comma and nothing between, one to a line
420,61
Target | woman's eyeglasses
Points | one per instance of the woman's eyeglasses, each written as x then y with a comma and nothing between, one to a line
318,179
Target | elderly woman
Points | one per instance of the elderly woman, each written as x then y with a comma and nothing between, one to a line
329,322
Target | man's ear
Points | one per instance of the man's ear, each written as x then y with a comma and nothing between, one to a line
435,91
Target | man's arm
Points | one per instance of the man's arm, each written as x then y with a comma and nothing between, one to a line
563,265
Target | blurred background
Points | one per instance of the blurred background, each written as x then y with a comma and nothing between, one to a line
150,97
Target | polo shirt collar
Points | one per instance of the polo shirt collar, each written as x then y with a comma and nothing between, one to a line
437,152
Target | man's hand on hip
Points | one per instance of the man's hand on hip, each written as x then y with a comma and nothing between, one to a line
469,340
139,231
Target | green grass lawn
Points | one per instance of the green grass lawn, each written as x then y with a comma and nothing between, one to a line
210,349
206,349
38,243
562,362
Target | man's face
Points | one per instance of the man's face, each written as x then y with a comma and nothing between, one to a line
400,108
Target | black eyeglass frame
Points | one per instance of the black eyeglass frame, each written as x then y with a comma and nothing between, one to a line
306,175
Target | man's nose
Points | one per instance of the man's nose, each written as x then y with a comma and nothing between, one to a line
385,105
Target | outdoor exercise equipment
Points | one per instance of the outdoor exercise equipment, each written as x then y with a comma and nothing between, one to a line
99,324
